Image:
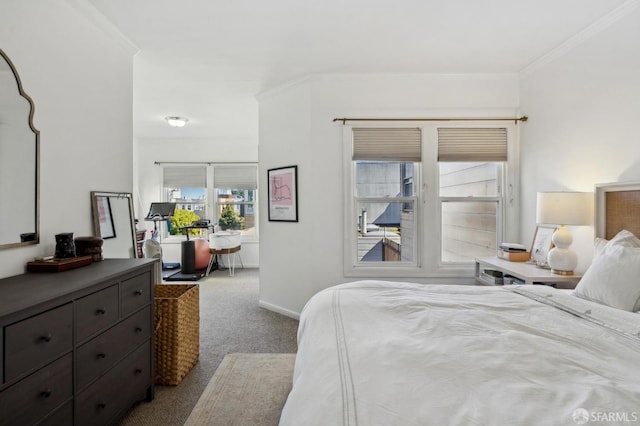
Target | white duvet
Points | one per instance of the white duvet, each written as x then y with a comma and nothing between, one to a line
380,353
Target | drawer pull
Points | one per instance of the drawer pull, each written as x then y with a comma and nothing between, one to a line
101,311
138,330
46,338
46,393
138,371
138,292
101,356
102,405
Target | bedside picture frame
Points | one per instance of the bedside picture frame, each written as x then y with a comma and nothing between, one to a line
541,244
283,194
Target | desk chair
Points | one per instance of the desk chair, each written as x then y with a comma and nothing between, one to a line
225,242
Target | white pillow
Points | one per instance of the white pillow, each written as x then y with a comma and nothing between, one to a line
624,238
613,278
598,245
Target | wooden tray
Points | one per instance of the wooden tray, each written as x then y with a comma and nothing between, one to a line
58,265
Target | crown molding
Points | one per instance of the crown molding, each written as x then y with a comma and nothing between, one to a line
99,20
595,28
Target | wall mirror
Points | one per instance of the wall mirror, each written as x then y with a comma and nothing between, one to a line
113,221
19,160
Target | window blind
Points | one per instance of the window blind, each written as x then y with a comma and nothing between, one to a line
387,144
185,177
235,177
472,144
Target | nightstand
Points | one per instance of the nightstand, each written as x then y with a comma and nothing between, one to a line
527,272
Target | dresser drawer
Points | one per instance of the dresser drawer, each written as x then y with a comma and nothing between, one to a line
35,341
99,354
117,390
34,397
96,312
62,417
135,293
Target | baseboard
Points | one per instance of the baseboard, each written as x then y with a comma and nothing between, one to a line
279,310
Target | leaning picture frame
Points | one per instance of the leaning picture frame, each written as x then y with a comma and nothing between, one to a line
282,194
541,244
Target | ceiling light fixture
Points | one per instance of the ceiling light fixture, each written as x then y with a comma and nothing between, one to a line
176,121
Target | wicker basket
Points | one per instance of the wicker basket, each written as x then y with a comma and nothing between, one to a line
177,334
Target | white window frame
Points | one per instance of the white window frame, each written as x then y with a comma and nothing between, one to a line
428,204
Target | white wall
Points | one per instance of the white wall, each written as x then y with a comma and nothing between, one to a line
583,128
297,128
80,79
149,178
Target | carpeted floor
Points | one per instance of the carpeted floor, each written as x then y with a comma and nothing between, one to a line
247,390
230,321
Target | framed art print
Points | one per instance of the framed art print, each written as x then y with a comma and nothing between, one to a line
105,218
541,244
283,194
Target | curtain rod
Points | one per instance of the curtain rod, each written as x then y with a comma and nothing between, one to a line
207,163
344,120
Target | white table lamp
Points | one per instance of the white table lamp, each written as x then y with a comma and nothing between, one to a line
564,208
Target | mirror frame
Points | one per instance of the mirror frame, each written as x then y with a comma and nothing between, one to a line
37,159
96,220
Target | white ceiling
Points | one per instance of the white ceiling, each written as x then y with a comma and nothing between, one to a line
207,59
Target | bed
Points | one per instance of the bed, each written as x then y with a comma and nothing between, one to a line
390,353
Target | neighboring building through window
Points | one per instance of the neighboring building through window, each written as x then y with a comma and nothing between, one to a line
385,205
470,210
236,209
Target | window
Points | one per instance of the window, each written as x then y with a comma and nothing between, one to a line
426,201
225,194
470,189
187,187
236,191
384,161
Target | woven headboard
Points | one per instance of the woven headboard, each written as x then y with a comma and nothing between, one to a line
617,208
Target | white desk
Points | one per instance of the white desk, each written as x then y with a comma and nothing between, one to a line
527,272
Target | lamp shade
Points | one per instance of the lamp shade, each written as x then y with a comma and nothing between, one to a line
564,208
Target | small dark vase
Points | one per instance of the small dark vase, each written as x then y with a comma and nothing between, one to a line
65,248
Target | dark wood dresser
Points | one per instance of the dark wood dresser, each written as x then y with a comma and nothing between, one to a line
77,346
